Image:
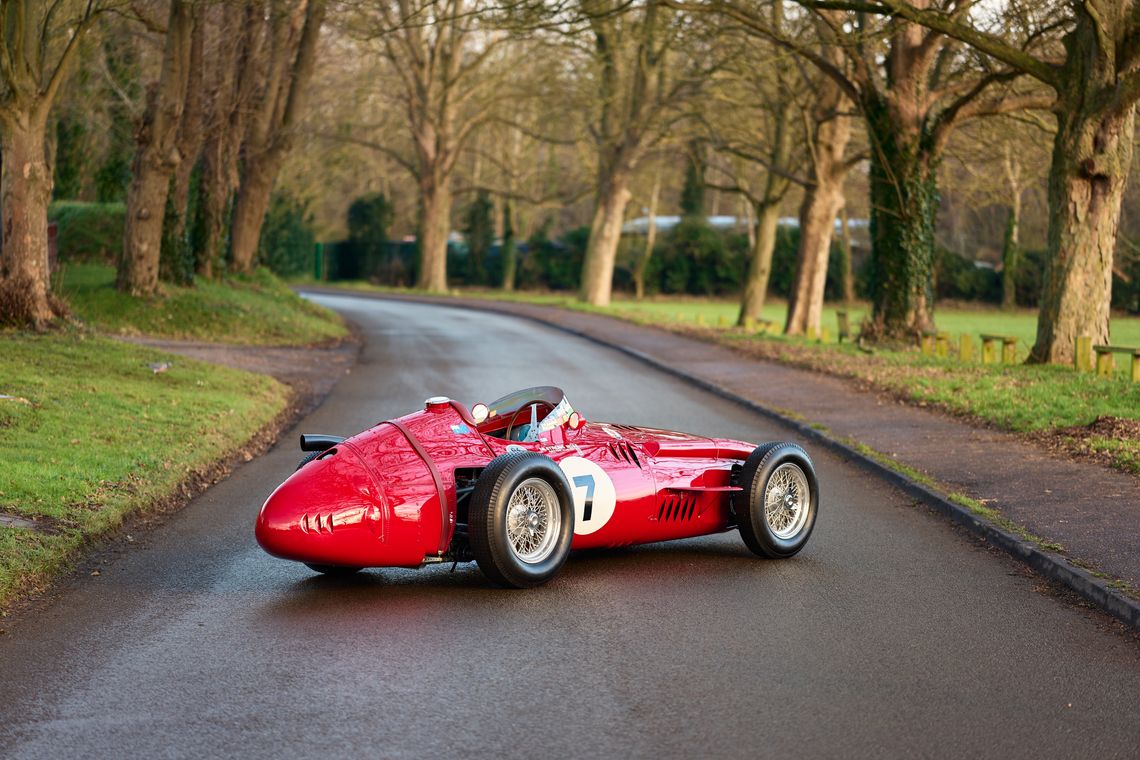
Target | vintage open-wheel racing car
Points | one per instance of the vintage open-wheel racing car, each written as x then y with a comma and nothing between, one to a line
515,485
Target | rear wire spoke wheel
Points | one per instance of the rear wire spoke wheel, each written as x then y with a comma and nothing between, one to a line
786,498
521,519
781,500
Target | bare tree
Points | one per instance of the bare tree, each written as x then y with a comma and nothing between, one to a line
439,55
913,86
830,133
287,65
156,157
638,82
1096,77
237,38
41,41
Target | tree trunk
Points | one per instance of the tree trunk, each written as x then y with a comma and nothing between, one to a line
605,234
650,240
435,226
848,264
510,248
1011,250
250,205
760,263
189,145
904,200
1092,154
156,158
25,191
1011,256
817,223
270,134
821,202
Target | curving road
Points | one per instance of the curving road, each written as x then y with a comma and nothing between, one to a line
891,635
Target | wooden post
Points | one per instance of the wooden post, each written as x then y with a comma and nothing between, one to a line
811,335
926,343
722,321
988,352
965,348
942,346
1104,363
1008,351
843,325
1136,366
1082,357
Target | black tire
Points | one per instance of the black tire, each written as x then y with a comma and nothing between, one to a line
487,519
757,531
335,571
308,458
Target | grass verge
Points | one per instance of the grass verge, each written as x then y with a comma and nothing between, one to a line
257,309
89,433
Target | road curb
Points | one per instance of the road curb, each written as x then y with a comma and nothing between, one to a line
1048,564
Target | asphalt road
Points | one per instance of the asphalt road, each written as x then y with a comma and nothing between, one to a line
892,634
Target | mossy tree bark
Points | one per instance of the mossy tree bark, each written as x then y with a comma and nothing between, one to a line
1097,86
904,200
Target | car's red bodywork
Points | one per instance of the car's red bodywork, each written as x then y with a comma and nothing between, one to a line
393,494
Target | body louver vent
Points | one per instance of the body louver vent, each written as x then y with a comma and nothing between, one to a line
677,508
624,451
317,523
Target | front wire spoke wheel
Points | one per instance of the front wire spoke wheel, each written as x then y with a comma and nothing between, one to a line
786,500
534,521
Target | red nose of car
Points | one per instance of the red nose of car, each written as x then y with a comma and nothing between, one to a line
329,511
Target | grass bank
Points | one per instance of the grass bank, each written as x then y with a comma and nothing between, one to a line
90,433
1083,415
257,309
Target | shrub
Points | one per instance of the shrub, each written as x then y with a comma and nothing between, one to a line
958,278
369,218
89,232
287,236
696,259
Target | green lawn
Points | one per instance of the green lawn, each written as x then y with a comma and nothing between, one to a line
93,433
955,320
258,309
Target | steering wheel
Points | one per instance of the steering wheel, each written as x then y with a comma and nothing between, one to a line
540,414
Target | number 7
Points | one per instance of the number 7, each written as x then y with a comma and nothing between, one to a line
586,481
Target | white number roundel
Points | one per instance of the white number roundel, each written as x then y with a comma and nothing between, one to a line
594,494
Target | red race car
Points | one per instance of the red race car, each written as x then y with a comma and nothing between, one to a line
515,485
